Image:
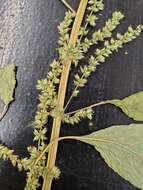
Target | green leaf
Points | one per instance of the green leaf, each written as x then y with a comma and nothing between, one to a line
131,105
7,83
122,149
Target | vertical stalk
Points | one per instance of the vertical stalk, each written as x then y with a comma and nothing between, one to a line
61,95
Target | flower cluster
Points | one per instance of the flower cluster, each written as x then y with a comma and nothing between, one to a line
34,169
101,54
105,32
47,86
70,52
47,103
76,118
8,154
94,7
64,29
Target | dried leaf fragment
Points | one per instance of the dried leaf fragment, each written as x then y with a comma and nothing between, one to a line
131,105
122,149
7,83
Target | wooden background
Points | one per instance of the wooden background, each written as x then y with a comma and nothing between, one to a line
28,38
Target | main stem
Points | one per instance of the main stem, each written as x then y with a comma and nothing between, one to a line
61,96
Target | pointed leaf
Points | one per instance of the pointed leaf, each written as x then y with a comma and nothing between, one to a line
122,149
7,83
131,105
